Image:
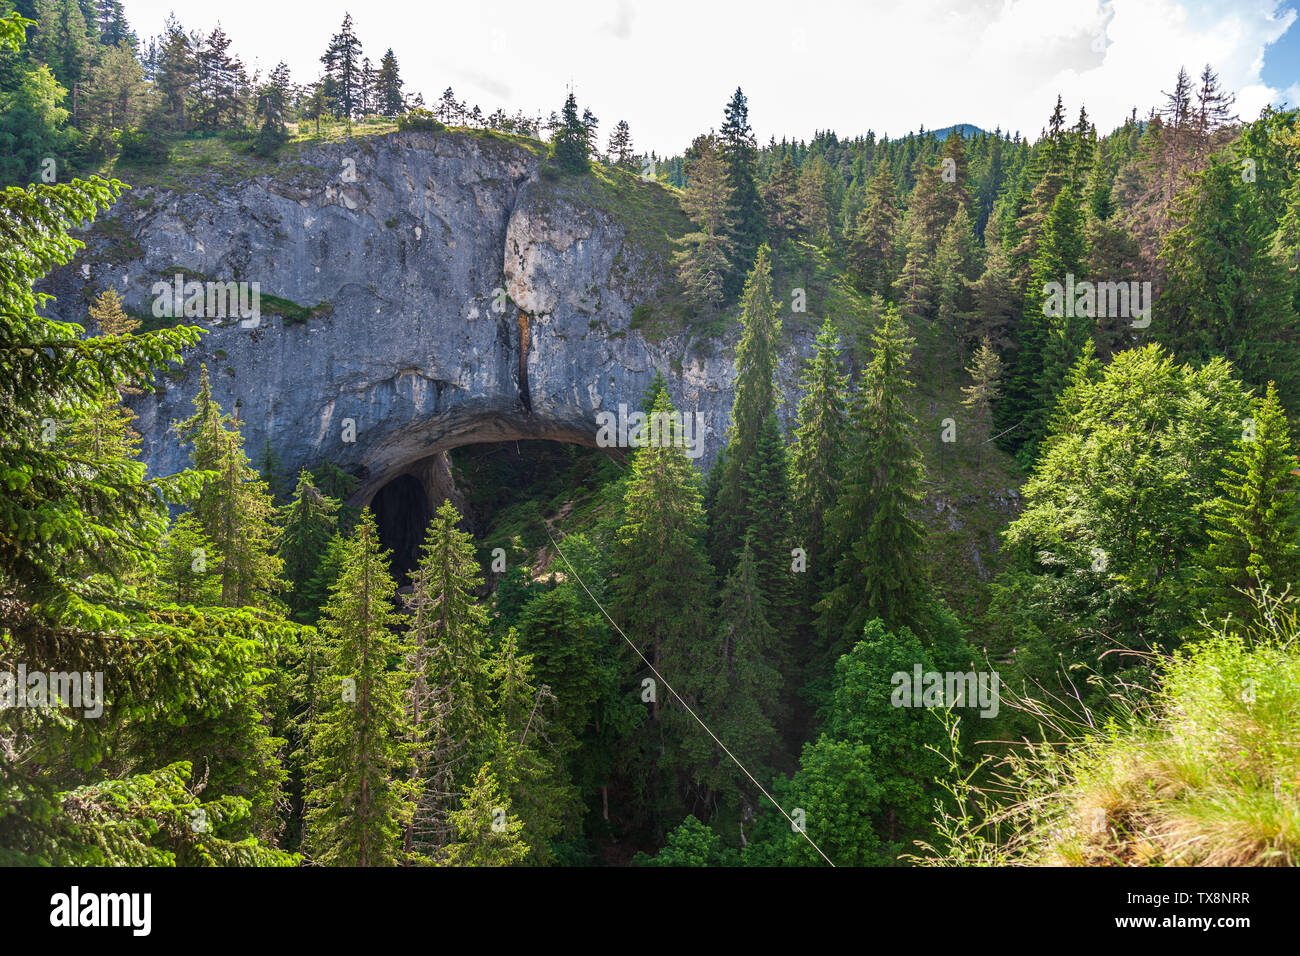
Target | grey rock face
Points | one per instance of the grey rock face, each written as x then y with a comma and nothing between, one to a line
411,244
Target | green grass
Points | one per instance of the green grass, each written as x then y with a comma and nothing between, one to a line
1206,773
291,312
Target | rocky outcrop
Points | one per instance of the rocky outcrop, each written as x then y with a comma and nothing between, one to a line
418,291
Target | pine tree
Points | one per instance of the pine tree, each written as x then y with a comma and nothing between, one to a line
663,586
189,572
1224,293
766,520
705,255
620,147
62,41
388,84
818,458
235,508
914,288
954,178
754,399
527,763
569,143
985,371
956,263
486,832
309,522
176,74
811,197
871,250
118,96
358,800
780,200
1062,251
219,85
342,77
448,704
995,301
742,686
1254,524
740,155
874,537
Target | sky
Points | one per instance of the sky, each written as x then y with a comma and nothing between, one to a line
669,67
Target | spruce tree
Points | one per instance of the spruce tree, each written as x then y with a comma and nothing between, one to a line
358,796
342,77
189,572
569,146
309,522
235,508
486,832
742,686
1061,252
874,536
705,257
449,701
817,461
755,399
871,249
740,155
527,762
1224,293
662,597
1254,524
781,203
388,83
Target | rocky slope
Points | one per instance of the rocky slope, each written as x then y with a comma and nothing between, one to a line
418,291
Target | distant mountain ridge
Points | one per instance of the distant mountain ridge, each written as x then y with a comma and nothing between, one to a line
967,130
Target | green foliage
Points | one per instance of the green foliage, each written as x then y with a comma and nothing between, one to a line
1104,551
691,843
1225,295
1254,524
419,120
487,834
308,522
754,401
569,146
874,538
357,800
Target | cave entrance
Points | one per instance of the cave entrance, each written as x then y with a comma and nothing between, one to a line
402,513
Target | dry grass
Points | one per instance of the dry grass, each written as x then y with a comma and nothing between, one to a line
1206,774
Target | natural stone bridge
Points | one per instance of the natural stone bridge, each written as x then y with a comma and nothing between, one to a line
447,290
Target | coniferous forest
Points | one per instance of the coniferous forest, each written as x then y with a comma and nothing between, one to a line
990,560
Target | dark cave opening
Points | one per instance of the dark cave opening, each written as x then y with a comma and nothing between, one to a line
402,512
502,490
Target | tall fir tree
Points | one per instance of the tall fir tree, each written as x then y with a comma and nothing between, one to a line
740,155
755,399
569,142
235,508
705,257
342,76
871,249
817,462
359,799
874,536
309,521
663,595
449,700
1254,524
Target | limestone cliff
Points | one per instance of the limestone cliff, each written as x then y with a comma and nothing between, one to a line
433,288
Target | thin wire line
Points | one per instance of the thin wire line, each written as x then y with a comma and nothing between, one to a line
653,669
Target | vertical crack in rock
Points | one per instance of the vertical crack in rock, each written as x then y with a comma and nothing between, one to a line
525,339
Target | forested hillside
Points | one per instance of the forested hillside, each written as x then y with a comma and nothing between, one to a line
1008,579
